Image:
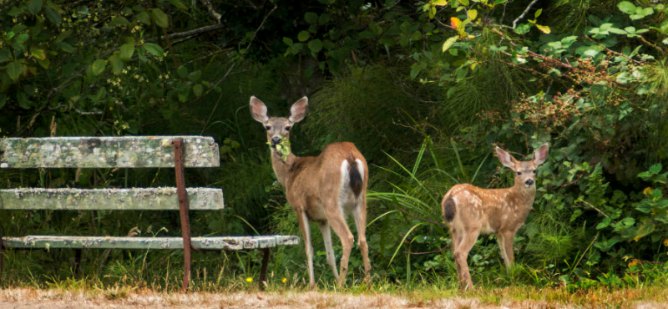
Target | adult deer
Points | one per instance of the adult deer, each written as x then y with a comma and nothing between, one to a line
469,211
323,188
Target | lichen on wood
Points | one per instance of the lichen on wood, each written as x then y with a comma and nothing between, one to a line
109,242
163,198
106,152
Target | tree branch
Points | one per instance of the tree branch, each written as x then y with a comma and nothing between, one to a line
524,13
182,36
212,11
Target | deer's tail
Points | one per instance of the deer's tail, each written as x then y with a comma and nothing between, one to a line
449,209
356,178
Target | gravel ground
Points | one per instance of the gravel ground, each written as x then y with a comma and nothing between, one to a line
57,299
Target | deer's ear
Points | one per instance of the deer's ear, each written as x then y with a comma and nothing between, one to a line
540,154
506,159
298,110
258,110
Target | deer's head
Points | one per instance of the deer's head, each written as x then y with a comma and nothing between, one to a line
525,171
278,128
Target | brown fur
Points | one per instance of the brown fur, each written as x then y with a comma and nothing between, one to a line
474,211
313,187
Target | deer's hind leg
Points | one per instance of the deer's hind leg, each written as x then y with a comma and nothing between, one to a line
326,232
461,253
359,214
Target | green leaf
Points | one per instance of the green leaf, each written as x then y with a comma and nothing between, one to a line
5,55
303,36
116,64
127,50
160,18
34,6
117,21
448,43
52,15
154,49
38,53
311,18
315,46
522,29
98,66
15,69
198,89
463,2
144,18
538,12
626,7
179,5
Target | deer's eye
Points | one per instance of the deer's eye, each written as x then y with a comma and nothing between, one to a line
287,128
519,173
533,171
267,127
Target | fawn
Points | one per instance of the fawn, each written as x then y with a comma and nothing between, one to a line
322,188
469,211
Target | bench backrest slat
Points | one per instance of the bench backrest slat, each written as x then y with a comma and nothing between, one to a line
109,199
106,152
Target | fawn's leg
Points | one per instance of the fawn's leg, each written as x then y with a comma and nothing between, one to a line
505,240
461,253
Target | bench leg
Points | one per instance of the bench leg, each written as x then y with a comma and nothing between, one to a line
77,262
263,269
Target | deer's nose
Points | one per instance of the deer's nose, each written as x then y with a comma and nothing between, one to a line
275,140
529,182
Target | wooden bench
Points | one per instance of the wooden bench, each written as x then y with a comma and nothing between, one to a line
125,152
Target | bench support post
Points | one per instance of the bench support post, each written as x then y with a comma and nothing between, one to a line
183,210
263,270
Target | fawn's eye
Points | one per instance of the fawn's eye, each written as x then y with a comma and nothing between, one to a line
267,127
519,173
533,171
287,128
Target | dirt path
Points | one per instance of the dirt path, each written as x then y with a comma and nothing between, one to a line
58,299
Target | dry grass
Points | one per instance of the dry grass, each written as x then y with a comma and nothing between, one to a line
496,298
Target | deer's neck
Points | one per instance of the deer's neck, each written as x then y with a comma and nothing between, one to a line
522,196
282,167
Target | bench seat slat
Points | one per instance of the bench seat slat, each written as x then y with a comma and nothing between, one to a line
108,242
164,198
106,152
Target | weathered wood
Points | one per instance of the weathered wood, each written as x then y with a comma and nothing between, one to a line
106,152
107,242
109,199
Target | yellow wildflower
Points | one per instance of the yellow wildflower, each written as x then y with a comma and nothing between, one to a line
285,280
665,242
634,262
647,191
249,279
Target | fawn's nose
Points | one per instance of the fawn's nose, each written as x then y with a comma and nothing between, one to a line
275,140
529,182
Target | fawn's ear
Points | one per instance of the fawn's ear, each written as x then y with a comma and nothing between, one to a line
540,154
298,110
258,110
506,159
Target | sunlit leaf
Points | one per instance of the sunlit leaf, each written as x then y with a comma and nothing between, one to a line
448,43
471,14
440,2
543,29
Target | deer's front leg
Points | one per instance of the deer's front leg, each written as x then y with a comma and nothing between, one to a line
306,232
505,241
